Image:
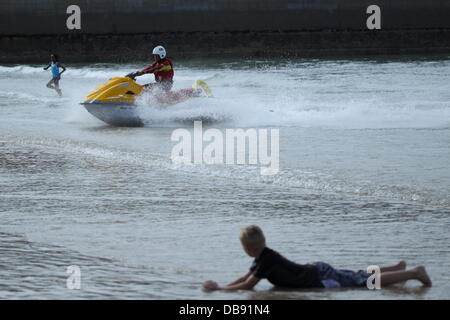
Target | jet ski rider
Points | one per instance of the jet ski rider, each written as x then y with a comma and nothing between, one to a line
161,67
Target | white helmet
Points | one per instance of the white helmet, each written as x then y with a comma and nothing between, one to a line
160,51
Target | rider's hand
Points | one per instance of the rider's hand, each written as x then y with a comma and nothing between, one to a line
132,75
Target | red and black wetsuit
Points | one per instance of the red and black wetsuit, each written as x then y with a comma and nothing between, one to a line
163,70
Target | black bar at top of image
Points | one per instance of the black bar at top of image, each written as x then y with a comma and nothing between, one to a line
22,17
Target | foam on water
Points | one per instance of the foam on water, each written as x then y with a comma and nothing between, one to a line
336,95
304,94
321,182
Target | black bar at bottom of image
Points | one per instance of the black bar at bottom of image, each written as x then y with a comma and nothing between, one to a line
228,309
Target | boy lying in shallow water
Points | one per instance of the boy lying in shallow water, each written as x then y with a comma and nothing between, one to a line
281,272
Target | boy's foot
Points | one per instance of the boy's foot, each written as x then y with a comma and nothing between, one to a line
422,276
401,265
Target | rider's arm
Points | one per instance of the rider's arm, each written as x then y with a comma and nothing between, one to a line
48,66
150,69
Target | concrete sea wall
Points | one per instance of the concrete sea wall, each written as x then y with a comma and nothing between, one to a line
124,30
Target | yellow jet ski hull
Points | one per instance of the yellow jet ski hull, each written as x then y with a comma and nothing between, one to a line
117,90
114,102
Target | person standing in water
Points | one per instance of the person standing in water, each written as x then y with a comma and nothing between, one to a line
56,74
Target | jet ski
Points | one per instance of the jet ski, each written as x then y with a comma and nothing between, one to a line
115,101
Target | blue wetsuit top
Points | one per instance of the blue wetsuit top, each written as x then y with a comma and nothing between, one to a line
55,70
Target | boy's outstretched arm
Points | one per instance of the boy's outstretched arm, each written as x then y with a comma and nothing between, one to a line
48,66
247,282
241,279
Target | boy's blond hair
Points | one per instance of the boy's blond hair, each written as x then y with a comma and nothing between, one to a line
252,237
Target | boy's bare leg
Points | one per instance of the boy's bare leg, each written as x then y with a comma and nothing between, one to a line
397,267
418,273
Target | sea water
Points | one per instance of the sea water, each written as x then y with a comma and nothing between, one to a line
364,179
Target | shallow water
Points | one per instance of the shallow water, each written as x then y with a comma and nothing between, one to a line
364,179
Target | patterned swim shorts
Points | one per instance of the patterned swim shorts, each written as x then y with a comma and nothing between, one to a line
336,278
